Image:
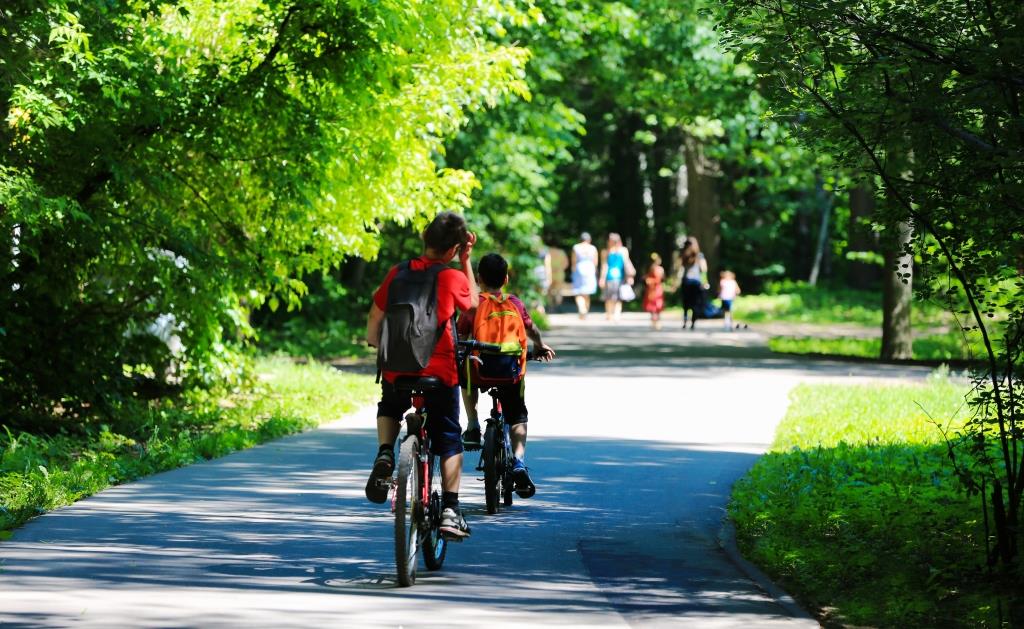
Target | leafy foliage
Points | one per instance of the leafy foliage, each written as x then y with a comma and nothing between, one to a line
197,159
924,96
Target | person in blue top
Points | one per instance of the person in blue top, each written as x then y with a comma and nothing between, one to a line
617,270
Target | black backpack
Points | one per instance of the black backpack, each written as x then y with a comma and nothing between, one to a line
410,331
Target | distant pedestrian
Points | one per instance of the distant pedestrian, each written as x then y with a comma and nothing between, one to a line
559,265
584,273
728,289
654,292
694,271
617,275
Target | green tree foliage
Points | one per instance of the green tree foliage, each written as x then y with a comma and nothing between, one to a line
645,76
925,95
196,158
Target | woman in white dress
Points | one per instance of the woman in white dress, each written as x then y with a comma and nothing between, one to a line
584,273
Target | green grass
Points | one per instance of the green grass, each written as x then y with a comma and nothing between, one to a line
39,473
319,339
796,302
857,512
932,347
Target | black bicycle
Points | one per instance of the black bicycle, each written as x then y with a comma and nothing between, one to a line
496,456
416,500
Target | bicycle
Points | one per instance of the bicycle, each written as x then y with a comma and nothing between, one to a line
416,500
496,454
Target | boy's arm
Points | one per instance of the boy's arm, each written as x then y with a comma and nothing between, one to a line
533,332
467,270
373,325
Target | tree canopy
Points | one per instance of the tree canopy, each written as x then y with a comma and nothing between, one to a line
194,159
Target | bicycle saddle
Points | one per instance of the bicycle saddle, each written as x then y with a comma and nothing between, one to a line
418,383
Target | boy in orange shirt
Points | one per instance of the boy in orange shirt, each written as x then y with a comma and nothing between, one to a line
493,272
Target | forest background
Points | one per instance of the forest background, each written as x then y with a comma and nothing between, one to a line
183,182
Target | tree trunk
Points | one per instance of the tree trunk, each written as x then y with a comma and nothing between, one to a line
862,274
626,187
663,195
897,290
702,203
825,203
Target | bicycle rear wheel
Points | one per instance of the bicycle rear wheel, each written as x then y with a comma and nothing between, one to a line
408,510
504,466
492,476
435,546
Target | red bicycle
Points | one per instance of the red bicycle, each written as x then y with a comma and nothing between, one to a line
416,500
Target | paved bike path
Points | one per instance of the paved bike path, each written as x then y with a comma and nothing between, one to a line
636,439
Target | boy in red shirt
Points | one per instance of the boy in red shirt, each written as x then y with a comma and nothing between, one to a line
493,271
445,238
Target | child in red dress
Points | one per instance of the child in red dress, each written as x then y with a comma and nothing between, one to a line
654,295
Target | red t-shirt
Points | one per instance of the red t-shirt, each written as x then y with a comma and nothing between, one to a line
466,321
452,293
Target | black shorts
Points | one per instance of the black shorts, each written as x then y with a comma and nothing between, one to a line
513,402
442,416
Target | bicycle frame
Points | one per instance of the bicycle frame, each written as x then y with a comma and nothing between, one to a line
420,406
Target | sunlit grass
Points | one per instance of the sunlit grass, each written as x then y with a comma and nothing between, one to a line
795,302
825,415
949,346
857,511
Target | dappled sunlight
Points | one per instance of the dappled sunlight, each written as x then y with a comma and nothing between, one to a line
299,528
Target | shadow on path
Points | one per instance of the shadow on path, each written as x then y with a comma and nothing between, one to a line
617,526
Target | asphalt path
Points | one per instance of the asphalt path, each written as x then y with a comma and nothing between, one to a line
635,440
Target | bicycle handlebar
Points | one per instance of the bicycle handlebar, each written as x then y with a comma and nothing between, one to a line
492,348
477,346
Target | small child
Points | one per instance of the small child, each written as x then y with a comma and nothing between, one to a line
492,272
728,289
654,295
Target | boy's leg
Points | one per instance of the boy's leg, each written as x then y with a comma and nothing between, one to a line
471,436
513,405
389,409
517,433
446,443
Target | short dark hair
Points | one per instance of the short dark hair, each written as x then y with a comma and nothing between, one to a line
445,231
493,270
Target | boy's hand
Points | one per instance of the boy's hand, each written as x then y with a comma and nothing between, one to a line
545,353
467,249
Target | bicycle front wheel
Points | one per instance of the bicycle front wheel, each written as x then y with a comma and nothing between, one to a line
492,480
435,546
408,510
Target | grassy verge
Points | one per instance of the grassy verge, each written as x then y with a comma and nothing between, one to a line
39,473
326,339
857,512
932,347
796,302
